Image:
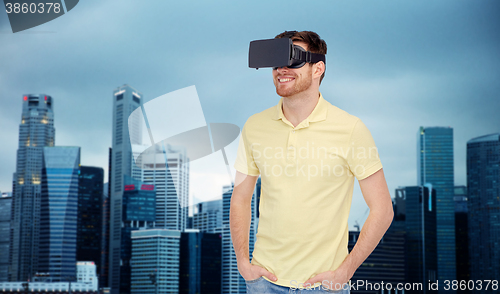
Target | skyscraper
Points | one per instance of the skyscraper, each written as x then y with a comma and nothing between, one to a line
200,262
58,213
483,183
232,281
139,204
435,166
35,132
125,100
461,233
90,205
419,213
104,272
168,171
103,276
5,211
208,217
155,251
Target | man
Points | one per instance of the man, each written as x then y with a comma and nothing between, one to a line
307,152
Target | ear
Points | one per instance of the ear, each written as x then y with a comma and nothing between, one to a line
318,69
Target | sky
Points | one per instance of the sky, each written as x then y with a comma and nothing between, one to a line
397,65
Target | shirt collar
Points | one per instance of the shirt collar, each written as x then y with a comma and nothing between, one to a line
318,114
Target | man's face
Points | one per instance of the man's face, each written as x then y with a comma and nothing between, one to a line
291,81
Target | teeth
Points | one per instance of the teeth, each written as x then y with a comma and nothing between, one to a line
285,80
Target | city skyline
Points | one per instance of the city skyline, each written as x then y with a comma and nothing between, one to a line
417,64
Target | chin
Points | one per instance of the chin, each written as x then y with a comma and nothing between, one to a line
286,92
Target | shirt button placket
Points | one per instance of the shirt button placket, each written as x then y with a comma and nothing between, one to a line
292,146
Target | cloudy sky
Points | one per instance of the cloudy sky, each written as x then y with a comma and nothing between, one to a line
397,65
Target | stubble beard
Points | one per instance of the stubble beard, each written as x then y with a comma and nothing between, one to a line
300,85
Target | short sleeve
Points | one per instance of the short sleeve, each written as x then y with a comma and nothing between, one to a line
363,158
245,162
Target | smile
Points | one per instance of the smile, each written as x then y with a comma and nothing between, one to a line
285,80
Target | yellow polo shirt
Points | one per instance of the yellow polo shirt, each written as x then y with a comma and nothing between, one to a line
307,179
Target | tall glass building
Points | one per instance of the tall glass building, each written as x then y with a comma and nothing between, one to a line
421,235
168,170
461,233
35,132
483,183
90,205
104,272
125,100
138,212
58,214
208,216
435,166
5,211
155,252
200,262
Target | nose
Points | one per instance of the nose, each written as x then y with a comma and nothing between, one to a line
282,69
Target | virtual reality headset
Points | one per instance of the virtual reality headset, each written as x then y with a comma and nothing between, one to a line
280,53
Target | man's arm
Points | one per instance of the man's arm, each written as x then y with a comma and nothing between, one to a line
378,199
239,219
